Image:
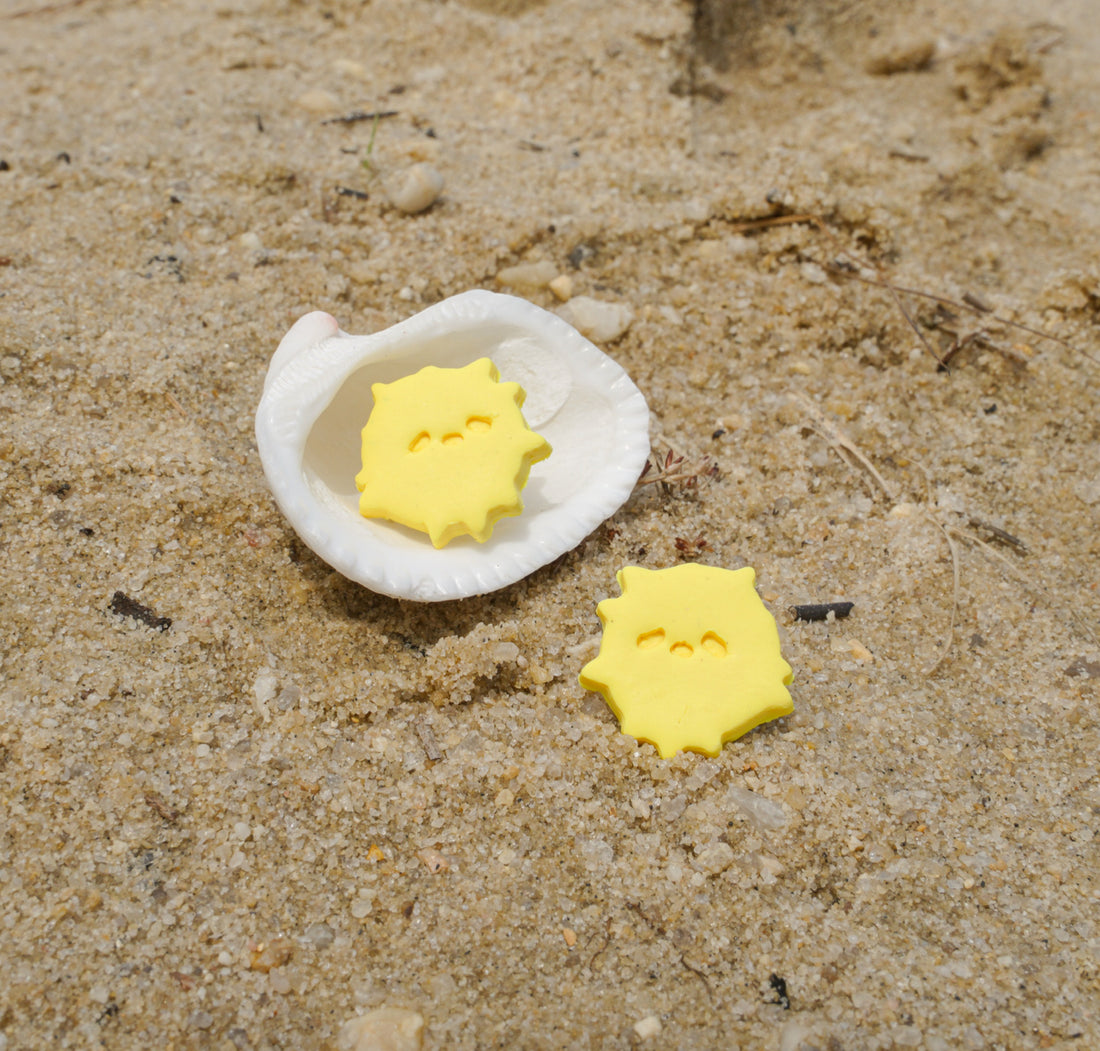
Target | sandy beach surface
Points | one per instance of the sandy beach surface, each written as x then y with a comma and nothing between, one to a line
244,800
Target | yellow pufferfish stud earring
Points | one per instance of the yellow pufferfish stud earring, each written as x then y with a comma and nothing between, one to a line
689,658
447,451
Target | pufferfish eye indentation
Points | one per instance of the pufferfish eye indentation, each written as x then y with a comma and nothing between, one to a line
714,644
649,639
421,441
479,424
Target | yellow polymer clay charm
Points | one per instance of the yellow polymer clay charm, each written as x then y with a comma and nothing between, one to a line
446,451
689,658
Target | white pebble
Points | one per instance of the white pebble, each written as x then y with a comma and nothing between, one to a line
319,935
386,1029
505,652
263,690
712,858
794,1036
528,275
596,319
1088,490
317,101
763,813
414,189
647,1027
351,68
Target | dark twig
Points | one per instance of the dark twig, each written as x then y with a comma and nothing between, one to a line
45,9
125,606
821,610
361,115
998,534
701,974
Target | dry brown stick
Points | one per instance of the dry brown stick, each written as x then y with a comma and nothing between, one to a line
818,222
929,501
949,641
1000,534
1083,625
700,973
841,442
965,304
175,402
968,301
46,9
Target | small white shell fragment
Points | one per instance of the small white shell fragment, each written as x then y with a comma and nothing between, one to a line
528,275
317,398
647,1027
384,1029
596,319
414,189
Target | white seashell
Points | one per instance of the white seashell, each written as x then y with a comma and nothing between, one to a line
317,397
414,189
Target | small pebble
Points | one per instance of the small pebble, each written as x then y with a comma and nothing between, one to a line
271,954
763,813
351,68
562,287
263,690
860,652
902,56
597,320
385,1029
647,1027
200,1020
414,189
713,858
319,935
279,983
433,860
528,275
317,101
794,1036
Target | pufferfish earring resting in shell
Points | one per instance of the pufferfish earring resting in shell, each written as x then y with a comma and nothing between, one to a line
447,451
